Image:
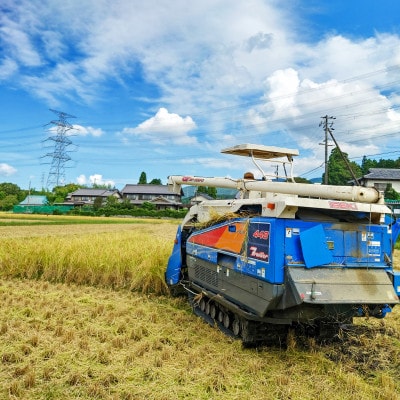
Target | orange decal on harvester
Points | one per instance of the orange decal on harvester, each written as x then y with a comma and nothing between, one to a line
222,238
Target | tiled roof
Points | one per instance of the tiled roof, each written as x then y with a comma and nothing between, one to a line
391,174
93,192
146,189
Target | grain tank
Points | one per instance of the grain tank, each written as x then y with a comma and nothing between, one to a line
281,253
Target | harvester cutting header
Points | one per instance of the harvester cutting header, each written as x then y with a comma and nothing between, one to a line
282,253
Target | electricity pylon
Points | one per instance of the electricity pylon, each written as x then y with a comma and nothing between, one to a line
60,155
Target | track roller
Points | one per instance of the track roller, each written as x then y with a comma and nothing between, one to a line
213,310
202,304
226,320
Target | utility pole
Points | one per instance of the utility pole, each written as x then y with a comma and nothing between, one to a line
60,154
327,126
328,129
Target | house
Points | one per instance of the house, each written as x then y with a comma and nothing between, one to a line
380,178
199,197
159,195
88,196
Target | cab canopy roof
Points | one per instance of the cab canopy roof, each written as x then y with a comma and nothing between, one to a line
261,152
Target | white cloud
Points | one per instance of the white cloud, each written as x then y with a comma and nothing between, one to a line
7,68
95,179
81,180
165,128
7,170
19,43
283,88
87,131
245,72
208,162
259,41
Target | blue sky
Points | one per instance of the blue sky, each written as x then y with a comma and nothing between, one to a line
162,86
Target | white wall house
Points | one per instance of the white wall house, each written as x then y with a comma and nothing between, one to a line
379,178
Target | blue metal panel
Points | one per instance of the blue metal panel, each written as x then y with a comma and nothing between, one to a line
292,249
313,244
204,252
396,282
277,271
173,272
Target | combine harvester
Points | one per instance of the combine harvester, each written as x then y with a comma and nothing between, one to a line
284,254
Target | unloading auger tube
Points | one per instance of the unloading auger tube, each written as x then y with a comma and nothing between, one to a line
344,193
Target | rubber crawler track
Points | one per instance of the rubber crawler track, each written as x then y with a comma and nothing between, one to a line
251,333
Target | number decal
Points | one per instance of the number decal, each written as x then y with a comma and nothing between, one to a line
261,234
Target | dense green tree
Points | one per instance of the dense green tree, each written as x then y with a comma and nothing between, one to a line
11,189
366,164
7,203
391,194
143,178
387,164
156,181
98,203
212,192
59,193
338,171
102,186
111,201
148,206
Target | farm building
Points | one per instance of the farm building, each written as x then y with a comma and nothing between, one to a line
39,205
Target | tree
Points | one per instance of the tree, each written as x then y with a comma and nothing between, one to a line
212,192
11,189
143,178
391,194
111,201
156,181
338,172
59,193
366,164
148,206
97,203
102,186
7,203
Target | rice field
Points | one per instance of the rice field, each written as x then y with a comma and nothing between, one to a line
85,314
